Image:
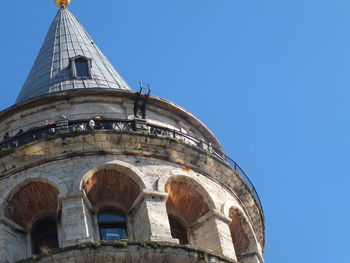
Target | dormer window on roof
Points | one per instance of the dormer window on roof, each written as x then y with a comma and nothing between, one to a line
86,67
81,67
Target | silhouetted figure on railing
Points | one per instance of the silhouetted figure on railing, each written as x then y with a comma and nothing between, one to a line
99,123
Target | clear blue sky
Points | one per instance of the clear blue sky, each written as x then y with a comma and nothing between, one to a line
270,78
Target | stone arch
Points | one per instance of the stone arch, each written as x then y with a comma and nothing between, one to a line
225,208
187,199
242,233
31,200
51,180
185,174
163,180
112,185
126,168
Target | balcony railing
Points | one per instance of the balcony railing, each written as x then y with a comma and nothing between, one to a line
66,127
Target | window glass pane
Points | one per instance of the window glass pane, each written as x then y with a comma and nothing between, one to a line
112,225
110,218
111,234
82,68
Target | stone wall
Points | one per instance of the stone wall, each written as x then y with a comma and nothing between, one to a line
151,167
13,244
131,253
159,158
90,170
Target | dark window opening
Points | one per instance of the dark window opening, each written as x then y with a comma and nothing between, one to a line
178,230
82,68
44,235
112,225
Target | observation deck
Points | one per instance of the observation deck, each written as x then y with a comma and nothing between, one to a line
81,127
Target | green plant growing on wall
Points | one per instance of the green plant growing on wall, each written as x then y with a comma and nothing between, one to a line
120,244
95,245
6,151
202,255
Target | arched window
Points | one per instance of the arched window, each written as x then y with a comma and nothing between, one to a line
239,232
178,230
44,235
112,225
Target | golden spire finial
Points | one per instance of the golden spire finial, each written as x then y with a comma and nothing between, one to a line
62,3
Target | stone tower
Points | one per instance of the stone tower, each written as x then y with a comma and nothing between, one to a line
91,171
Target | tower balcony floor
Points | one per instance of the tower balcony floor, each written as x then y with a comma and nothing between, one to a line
82,126
131,137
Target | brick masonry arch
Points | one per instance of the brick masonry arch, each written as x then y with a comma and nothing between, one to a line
243,237
187,199
30,201
109,187
126,168
32,177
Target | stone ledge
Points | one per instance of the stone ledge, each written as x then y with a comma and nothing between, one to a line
13,225
131,143
131,252
210,214
251,256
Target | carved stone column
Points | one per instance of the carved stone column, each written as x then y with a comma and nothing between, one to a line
212,231
77,224
13,241
151,221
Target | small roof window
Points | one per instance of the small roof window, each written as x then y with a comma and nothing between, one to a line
81,67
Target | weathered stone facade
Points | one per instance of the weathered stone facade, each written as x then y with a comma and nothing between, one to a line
149,177
132,253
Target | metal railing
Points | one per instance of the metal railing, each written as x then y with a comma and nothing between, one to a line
118,125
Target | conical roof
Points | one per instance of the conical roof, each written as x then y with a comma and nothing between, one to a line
55,68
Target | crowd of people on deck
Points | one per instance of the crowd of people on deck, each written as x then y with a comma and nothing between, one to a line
7,136
92,124
63,125
14,143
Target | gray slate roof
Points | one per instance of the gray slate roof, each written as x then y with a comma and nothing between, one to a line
52,71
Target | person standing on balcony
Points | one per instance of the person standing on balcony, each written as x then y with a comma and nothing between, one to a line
7,141
91,124
51,131
19,132
19,140
7,137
